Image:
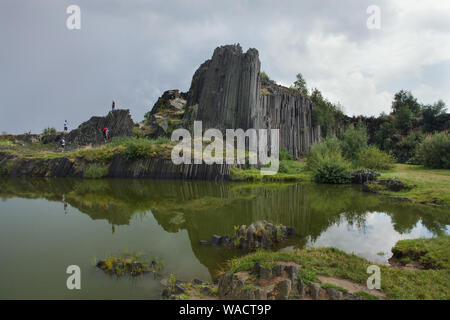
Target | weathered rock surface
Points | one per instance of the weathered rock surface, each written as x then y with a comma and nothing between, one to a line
261,234
227,92
276,283
118,122
166,115
391,184
120,167
364,175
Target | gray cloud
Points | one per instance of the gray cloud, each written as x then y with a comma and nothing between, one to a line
132,51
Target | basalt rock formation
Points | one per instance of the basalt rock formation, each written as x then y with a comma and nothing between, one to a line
118,122
166,114
227,92
119,167
261,234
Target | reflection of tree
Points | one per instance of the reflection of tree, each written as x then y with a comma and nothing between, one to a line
205,208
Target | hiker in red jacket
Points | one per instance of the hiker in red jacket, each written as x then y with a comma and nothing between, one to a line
105,132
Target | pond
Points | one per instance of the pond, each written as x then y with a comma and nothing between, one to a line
48,224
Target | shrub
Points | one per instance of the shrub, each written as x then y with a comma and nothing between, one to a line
332,169
374,158
327,148
49,130
285,155
139,148
354,140
95,171
405,149
290,167
435,151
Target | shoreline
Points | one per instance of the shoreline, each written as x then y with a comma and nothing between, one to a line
85,165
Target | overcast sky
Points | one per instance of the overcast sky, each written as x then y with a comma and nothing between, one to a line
132,51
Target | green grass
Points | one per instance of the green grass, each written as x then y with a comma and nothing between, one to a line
395,283
432,185
333,286
290,171
95,171
132,147
431,253
366,296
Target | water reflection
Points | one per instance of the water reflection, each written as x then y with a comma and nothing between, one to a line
340,216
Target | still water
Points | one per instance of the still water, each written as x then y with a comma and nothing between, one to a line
49,224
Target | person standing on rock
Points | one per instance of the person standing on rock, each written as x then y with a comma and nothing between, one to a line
113,107
66,126
62,143
105,132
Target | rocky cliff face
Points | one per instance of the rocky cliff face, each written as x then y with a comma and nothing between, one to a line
118,122
227,92
287,110
226,89
12,166
166,115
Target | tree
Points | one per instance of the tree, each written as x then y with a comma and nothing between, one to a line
431,114
405,98
300,84
403,118
354,140
382,137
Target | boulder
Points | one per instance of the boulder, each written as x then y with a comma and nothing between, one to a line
230,287
265,273
292,272
393,184
284,287
363,176
315,289
277,270
301,288
334,294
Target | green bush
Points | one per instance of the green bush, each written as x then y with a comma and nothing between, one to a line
374,158
332,169
95,171
290,167
435,151
329,147
405,149
49,130
354,140
285,155
139,148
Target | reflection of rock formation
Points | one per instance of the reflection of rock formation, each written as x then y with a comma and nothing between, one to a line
205,208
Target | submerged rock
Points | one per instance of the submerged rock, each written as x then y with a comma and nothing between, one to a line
261,234
364,175
133,265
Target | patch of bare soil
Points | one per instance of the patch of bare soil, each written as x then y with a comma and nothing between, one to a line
350,286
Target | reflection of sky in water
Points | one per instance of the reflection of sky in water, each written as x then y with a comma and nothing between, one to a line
376,236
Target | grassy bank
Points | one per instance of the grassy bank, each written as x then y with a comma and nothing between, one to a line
132,147
289,171
396,283
431,185
424,253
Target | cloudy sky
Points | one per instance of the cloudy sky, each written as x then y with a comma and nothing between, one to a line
132,51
